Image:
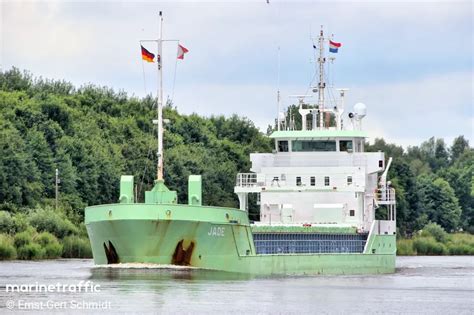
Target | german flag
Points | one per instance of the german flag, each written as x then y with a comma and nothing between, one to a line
146,55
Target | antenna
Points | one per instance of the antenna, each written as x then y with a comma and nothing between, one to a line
278,91
340,109
321,84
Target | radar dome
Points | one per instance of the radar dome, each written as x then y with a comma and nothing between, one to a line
360,110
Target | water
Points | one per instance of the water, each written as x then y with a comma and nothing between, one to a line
440,285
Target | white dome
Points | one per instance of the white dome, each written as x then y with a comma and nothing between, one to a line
360,110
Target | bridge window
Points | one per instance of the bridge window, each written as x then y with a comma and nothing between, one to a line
326,181
313,181
349,180
312,146
352,213
298,181
345,145
282,146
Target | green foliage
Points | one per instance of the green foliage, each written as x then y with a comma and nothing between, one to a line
45,238
436,231
6,222
76,247
460,244
429,246
20,222
439,202
460,249
50,221
31,245
93,135
433,240
460,144
419,198
31,251
50,244
405,247
7,250
24,238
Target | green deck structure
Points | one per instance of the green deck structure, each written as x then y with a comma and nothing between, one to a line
214,238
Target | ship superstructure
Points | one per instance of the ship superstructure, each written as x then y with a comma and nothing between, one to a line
317,193
319,175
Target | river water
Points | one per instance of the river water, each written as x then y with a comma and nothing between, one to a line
438,285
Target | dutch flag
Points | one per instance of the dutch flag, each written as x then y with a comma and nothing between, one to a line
333,46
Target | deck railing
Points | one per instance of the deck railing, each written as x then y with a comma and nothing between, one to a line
246,180
386,197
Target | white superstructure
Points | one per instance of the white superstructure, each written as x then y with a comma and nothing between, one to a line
319,174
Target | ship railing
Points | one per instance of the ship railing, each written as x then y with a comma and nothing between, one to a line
246,180
385,196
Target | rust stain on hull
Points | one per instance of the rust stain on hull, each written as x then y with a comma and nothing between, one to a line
111,254
182,256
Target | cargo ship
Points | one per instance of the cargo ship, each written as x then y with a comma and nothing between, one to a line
318,192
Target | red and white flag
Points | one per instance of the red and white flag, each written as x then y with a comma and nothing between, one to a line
181,51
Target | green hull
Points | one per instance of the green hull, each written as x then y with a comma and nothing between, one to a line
213,238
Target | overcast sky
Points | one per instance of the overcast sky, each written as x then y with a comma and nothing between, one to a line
410,63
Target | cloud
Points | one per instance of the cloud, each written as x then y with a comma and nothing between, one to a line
412,111
411,63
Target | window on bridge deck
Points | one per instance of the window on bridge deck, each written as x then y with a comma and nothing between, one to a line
313,145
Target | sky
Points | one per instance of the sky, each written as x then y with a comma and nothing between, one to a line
411,63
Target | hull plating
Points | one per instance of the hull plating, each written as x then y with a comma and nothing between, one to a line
213,238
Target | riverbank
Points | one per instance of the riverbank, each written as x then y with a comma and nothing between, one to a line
42,233
433,240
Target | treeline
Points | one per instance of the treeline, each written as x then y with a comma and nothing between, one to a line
93,135
433,182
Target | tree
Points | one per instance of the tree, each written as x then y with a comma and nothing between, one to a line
459,145
19,176
441,154
390,150
408,206
460,179
438,201
40,153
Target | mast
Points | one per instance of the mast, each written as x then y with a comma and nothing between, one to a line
278,93
159,107
321,84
